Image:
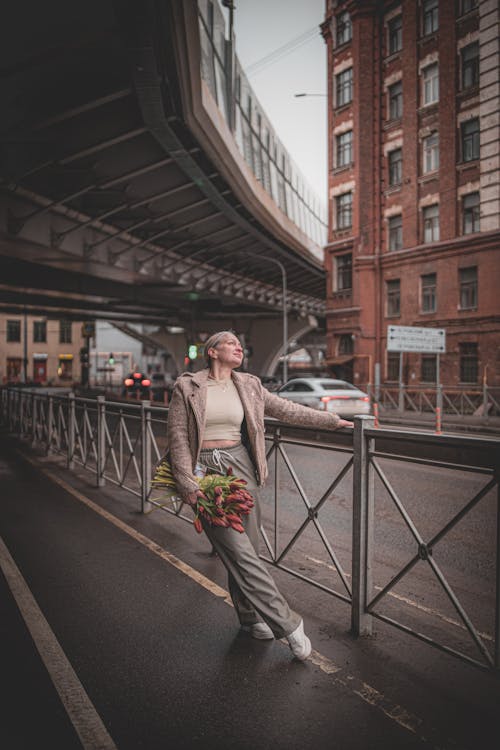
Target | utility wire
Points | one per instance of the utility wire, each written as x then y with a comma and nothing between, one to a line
282,51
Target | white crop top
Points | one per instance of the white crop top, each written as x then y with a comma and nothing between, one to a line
224,411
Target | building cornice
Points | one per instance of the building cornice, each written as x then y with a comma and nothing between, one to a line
342,311
462,246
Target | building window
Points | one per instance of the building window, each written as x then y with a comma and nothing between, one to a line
470,140
346,344
65,327
468,288
395,34
393,305
430,153
428,302
396,167
470,65
344,149
392,366
343,87
470,213
428,368
343,208
396,232
430,17
344,272
430,84
469,363
13,330
396,101
344,28
468,5
39,331
431,223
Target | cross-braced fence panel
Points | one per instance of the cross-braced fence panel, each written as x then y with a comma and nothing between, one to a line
428,585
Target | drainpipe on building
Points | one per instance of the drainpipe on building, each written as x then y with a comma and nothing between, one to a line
377,229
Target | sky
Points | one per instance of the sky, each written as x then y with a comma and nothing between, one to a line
263,26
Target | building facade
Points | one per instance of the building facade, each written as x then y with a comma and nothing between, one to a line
414,203
51,349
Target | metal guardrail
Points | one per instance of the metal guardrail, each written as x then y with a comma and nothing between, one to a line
483,401
120,443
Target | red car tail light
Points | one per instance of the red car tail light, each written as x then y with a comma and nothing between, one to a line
129,382
145,382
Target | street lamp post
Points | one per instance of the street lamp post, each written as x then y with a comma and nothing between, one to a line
284,305
284,302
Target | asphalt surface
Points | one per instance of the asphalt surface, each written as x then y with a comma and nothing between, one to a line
160,655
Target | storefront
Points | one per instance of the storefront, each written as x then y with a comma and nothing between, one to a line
65,367
39,368
14,369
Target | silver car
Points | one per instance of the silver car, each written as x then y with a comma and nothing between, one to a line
329,395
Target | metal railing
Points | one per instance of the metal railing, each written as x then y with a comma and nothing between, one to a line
304,507
482,401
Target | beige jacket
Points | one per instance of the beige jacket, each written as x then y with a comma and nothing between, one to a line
186,420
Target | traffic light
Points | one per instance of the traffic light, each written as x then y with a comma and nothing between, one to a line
192,351
111,359
84,356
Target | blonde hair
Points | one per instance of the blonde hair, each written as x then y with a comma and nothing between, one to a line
213,341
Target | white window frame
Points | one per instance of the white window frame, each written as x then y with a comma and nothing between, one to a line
430,84
430,153
430,221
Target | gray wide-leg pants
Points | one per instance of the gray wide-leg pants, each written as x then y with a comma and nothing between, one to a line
254,593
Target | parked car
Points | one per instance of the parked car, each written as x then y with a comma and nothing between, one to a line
329,395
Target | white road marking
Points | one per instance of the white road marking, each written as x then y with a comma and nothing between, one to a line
410,602
84,717
368,694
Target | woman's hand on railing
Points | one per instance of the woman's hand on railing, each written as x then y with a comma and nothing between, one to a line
344,423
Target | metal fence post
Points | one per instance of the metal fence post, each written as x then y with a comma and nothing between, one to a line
362,527
50,420
71,431
485,401
145,454
101,441
33,418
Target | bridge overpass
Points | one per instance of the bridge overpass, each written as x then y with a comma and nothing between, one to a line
142,181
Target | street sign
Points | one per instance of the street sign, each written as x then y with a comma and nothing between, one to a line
412,339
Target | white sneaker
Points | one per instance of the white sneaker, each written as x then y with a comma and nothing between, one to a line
259,630
299,642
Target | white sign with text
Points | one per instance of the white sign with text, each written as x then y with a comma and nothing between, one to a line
413,339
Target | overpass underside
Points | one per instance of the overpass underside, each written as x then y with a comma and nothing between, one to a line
121,196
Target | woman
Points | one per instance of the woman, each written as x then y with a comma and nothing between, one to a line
216,420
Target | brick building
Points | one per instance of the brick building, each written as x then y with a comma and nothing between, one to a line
52,350
414,148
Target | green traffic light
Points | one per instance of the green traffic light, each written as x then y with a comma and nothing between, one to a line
192,351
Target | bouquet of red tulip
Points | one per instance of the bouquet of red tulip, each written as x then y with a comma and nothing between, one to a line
222,500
